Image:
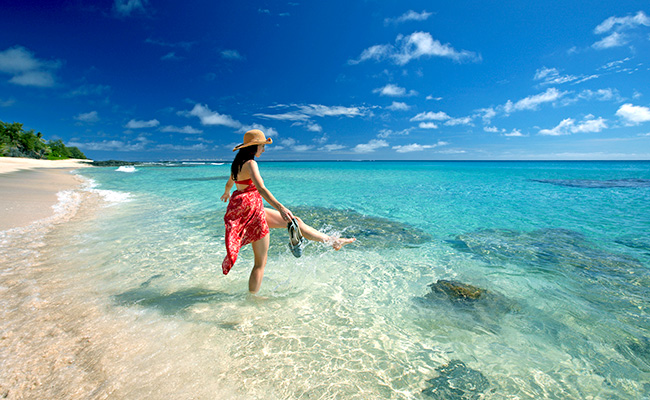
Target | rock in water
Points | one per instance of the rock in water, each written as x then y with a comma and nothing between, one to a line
455,290
458,382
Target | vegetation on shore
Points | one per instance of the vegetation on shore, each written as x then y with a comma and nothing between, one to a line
16,142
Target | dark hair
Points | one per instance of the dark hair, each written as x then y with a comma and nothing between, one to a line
244,154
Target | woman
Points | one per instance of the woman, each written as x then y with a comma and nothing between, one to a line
247,220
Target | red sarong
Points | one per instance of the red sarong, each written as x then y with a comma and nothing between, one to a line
245,223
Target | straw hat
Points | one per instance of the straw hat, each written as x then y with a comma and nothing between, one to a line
252,138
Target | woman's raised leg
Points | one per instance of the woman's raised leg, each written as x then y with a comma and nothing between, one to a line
261,250
274,219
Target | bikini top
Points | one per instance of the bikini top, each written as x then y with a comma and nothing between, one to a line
246,182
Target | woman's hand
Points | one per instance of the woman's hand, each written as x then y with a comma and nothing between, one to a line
225,197
286,214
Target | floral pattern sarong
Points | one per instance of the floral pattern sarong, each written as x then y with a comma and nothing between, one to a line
245,223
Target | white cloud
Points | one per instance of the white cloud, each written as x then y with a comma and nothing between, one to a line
394,91
415,46
209,117
551,76
125,8
177,147
385,133
313,127
614,40
113,145
431,116
427,125
231,55
459,121
514,133
27,70
288,142
332,147
186,129
619,23
370,147
302,148
410,15
305,112
88,90
409,148
398,106
568,126
533,102
600,94
487,114
269,132
90,117
430,97
134,124
491,129
634,114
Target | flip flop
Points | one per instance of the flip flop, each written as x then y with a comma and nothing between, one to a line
296,241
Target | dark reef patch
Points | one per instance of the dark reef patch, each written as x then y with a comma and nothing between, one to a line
456,381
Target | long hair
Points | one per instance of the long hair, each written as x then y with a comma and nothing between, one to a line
244,154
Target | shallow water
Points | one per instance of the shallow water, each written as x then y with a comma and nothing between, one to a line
565,267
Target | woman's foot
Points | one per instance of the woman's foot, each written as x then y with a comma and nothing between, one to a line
338,243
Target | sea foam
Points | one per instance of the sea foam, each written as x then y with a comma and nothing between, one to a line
126,168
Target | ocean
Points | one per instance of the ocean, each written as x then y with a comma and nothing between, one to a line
468,280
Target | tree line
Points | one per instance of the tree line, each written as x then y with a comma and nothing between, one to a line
17,142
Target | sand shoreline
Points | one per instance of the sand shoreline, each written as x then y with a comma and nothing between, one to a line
30,188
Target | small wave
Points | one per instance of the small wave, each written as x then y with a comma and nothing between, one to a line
112,197
217,163
126,168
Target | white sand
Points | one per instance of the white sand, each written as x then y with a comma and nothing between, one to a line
10,164
29,187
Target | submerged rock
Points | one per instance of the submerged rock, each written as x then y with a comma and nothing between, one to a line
546,249
455,290
597,184
457,381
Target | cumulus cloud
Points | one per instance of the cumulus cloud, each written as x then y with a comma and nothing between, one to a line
212,118
302,148
89,117
370,147
427,125
634,115
410,15
459,121
134,124
26,70
569,125
185,129
514,133
394,91
412,47
398,106
409,148
431,116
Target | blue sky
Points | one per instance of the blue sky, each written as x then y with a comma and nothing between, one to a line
335,80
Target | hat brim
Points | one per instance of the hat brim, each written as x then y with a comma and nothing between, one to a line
253,143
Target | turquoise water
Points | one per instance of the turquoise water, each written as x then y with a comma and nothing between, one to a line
561,250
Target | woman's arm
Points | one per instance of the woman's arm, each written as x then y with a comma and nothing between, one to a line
226,193
254,171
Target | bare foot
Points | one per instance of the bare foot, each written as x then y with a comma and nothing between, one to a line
338,243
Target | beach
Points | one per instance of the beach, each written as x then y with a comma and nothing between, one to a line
119,292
